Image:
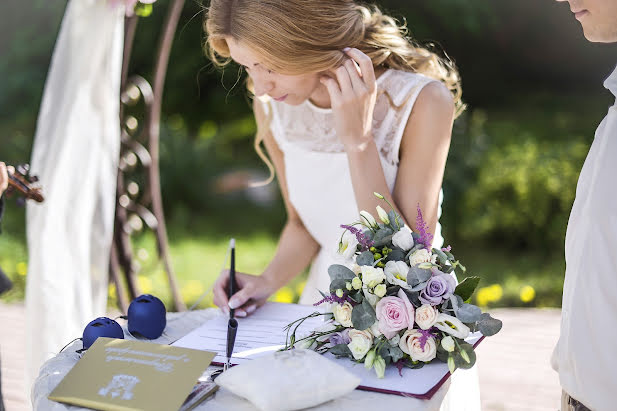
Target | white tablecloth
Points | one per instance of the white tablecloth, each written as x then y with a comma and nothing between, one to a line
178,325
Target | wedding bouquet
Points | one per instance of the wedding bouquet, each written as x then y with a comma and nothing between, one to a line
395,300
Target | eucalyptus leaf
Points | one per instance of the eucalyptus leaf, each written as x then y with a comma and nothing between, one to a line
420,286
417,275
396,255
392,290
449,255
365,258
357,296
466,287
488,325
395,220
448,269
440,255
341,350
383,236
363,316
336,284
395,353
468,313
456,301
337,271
460,362
414,297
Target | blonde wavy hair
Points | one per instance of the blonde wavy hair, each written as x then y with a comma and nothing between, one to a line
306,36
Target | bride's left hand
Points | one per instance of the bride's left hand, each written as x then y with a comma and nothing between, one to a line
352,96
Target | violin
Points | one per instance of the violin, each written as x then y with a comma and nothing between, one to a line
22,182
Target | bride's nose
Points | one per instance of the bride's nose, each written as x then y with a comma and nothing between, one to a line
262,87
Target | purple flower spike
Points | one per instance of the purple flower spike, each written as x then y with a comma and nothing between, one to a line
362,238
425,335
426,237
333,298
448,248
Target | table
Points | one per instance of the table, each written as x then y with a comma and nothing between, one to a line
178,325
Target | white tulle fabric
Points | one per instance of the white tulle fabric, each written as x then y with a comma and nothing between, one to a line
320,187
75,154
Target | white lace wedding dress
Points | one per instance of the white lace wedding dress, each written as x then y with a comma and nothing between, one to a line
320,186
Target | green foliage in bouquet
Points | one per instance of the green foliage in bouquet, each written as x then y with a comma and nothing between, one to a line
395,300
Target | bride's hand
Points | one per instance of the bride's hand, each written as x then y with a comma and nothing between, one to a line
253,293
352,96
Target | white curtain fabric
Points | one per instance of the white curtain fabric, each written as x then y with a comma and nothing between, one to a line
75,155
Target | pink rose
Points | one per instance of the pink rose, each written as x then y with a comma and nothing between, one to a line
394,314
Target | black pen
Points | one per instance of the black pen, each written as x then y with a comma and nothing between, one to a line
232,324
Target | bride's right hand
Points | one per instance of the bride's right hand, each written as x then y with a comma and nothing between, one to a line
253,293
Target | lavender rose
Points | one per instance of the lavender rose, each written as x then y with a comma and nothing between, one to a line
440,287
340,338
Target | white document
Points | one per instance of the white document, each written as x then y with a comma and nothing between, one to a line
263,332
260,333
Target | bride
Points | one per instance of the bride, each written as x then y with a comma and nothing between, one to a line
346,105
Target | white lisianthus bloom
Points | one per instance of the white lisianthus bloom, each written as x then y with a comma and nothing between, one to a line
380,366
448,343
371,276
347,245
383,216
368,219
342,313
396,273
403,239
380,290
410,344
426,316
420,256
452,326
360,344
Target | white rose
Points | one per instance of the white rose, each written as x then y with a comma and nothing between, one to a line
347,245
410,344
356,268
403,239
420,256
368,219
426,316
361,342
342,313
448,343
383,216
371,276
396,273
452,326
